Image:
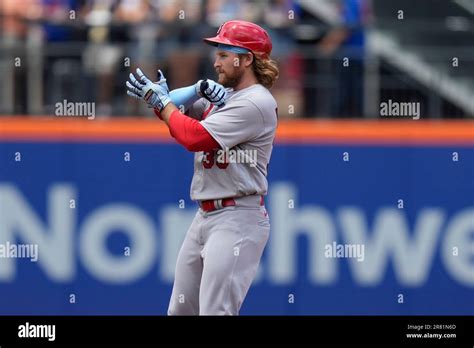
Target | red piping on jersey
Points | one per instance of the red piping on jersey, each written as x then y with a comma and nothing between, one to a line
190,133
158,113
204,115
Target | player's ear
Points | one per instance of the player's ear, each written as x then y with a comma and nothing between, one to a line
248,59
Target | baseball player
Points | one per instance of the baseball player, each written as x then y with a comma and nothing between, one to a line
230,125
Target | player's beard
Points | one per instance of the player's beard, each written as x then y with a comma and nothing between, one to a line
231,80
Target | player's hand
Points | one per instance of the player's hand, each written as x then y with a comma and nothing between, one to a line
155,94
161,80
212,91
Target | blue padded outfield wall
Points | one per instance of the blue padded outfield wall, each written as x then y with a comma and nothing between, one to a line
108,229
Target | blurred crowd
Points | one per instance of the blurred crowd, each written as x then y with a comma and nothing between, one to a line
82,50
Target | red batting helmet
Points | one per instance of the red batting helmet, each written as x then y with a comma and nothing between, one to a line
243,34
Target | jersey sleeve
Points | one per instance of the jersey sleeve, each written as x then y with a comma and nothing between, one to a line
190,133
235,123
198,108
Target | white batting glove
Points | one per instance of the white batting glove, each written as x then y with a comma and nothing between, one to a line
156,95
212,91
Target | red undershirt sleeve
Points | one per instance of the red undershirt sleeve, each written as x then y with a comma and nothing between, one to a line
190,133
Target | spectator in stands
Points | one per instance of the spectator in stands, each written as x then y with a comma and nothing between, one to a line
14,17
161,38
102,56
58,19
347,40
220,11
178,45
279,17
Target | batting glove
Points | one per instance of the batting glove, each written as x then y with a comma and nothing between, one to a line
155,94
212,91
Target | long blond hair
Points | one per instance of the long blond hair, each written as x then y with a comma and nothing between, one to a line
265,70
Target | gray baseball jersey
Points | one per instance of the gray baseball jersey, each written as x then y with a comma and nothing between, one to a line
244,128
222,249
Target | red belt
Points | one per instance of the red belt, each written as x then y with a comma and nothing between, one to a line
215,204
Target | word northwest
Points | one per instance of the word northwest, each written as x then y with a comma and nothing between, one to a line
37,331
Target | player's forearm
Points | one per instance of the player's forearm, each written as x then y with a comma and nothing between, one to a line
188,132
185,96
166,113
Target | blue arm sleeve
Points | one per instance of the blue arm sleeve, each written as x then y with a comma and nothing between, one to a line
185,96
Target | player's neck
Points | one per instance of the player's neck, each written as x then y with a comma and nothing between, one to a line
246,81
